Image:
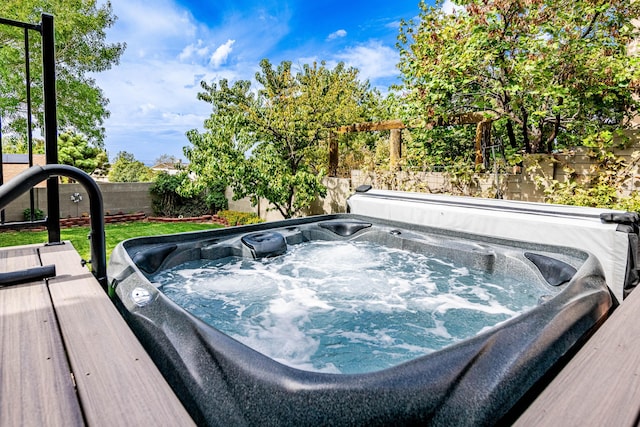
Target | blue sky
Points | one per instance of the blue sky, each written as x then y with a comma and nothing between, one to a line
172,45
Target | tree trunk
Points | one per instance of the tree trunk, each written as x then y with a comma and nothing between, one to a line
525,131
511,134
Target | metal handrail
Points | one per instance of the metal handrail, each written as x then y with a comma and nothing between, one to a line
46,30
28,179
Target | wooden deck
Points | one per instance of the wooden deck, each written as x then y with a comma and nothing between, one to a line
600,386
67,357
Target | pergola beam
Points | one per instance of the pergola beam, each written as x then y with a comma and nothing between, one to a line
455,120
483,120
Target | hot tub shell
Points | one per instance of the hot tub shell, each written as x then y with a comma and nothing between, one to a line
479,381
610,235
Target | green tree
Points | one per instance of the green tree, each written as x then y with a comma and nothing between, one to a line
272,142
126,168
16,145
75,150
551,72
81,49
170,199
166,159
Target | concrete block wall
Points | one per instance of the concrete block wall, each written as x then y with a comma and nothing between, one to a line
127,197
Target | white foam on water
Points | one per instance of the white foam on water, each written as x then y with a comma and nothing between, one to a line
283,340
343,306
439,330
445,302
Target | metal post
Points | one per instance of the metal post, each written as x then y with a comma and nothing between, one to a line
50,125
27,69
2,215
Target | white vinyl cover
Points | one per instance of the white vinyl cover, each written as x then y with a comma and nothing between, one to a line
569,226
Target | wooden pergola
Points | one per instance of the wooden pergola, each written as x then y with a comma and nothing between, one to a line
482,119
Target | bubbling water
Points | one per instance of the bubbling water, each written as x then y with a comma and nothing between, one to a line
345,307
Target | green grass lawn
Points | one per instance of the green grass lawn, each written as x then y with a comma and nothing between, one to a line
115,233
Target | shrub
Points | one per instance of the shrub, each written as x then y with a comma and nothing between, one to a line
603,187
240,218
38,214
169,200
214,198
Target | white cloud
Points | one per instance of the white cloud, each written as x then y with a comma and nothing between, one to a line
449,7
146,108
153,91
374,60
156,29
337,34
153,108
221,54
194,51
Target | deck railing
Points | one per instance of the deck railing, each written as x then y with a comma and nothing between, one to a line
28,179
36,174
45,30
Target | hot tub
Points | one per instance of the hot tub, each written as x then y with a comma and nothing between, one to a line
482,376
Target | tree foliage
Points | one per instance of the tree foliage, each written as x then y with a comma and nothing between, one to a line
605,186
550,72
167,160
170,200
271,142
81,49
75,150
126,168
21,146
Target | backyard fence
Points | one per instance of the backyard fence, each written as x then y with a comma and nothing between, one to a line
130,197
135,197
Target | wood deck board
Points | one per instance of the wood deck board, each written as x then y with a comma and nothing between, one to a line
601,384
105,356
118,384
33,364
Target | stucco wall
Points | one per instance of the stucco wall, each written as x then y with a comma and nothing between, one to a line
117,197
9,170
